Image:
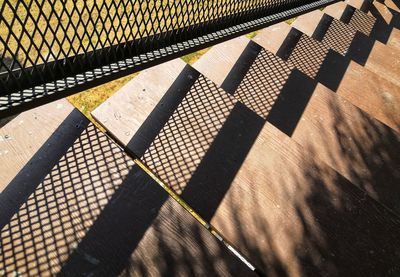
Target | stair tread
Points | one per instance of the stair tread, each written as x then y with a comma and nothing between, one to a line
235,48
143,93
307,23
227,163
344,39
23,136
377,24
358,20
318,120
363,88
261,86
359,4
95,211
335,10
380,11
391,35
295,194
272,37
392,4
362,22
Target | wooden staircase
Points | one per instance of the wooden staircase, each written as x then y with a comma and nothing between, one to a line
275,156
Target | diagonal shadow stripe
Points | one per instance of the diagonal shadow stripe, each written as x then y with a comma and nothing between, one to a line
27,180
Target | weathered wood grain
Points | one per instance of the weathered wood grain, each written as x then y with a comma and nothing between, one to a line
308,23
21,138
335,10
142,94
221,61
313,221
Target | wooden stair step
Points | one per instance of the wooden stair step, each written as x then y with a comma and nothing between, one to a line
363,88
310,114
378,10
344,39
143,94
384,29
356,18
178,129
387,15
392,4
24,135
234,47
294,216
245,176
94,212
266,164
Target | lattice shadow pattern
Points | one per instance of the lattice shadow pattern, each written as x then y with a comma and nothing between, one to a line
339,36
263,82
49,225
180,146
362,22
308,55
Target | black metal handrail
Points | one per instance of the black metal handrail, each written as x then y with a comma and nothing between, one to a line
52,48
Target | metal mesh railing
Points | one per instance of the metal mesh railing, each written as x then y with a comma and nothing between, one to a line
57,47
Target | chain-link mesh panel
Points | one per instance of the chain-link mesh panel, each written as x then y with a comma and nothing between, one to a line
47,46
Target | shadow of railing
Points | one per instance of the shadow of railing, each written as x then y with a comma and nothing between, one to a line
329,217
85,208
204,142
332,69
51,206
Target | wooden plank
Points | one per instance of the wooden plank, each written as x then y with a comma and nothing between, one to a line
377,9
272,38
180,120
363,88
359,20
235,48
21,138
371,93
348,140
360,4
382,12
307,23
336,10
391,18
344,39
142,94
379,23
296,217
97,213
392,4
312,115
